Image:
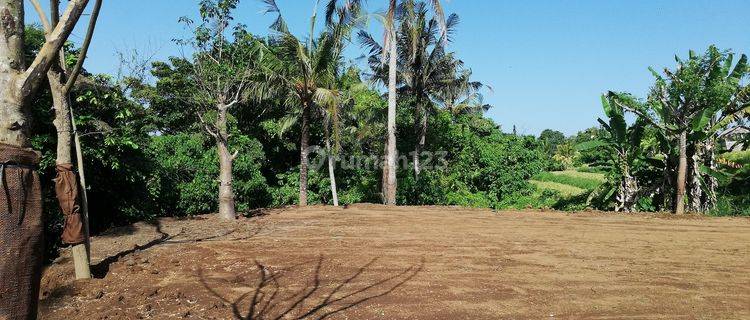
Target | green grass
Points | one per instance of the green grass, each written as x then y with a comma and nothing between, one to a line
741,157
565,190
560,190
581,180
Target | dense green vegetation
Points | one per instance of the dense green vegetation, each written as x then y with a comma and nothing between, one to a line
150,138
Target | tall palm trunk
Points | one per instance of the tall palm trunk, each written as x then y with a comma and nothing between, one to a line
226,193
390,156
384,177
304,162
681,175
64,128
421,128
331,167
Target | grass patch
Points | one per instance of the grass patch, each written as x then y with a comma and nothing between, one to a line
742,157
583,175
561,190
564,189
581,180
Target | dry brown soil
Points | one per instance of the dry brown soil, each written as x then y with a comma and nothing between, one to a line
374,262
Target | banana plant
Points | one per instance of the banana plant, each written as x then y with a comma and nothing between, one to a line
623,145
725,105
702,94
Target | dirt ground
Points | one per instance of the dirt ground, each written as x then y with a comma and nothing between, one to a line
374,262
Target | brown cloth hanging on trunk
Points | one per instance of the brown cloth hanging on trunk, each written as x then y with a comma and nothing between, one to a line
21,233
66,189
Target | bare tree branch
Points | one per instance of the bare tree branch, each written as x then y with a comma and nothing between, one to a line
208,126
42,15
54,8
73,75
55,41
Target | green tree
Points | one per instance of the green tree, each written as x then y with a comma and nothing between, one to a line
390,57
683,103
551,139
222,65
623,146
426,72
727,103
305,74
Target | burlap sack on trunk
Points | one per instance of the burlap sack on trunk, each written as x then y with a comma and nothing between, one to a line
21,233
66,190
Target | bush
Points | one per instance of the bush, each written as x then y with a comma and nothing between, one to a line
186,179
483,166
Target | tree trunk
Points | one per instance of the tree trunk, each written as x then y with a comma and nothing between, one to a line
695,192
626,194
389,170
226,194
21,236
421,137
709,160
384,177
21,230
14,124
681,175
331,168
64,128
62,120
303,155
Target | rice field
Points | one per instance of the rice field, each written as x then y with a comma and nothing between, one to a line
569,182
565,190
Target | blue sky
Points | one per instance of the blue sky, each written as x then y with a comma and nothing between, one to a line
548,61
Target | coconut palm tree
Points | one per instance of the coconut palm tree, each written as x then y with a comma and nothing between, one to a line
389,57
463,96
305,74
426,72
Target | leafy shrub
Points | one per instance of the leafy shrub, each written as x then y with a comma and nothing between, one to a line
186,179
483,166
732,205
532,199
287,191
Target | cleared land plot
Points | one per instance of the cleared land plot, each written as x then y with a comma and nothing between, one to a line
373,262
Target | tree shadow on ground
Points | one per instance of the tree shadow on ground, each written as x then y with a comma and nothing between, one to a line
318,299
100,269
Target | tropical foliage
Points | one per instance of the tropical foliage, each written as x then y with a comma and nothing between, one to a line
301,125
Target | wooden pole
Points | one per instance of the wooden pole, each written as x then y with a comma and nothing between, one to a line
81,251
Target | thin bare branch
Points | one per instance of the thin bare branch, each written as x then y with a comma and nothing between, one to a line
42,16
73,75
55,40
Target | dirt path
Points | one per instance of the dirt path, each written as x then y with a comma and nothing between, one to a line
372,262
